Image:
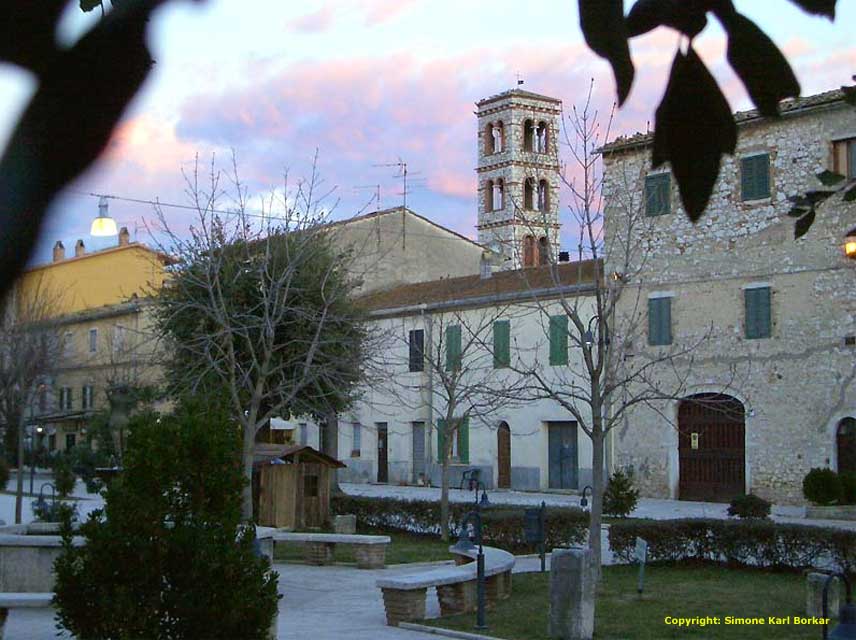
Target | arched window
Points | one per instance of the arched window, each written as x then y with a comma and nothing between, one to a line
541,138
543,251
498,195
543,196
846,441
528,135
529,194
498,137
488,139
488,195
529,251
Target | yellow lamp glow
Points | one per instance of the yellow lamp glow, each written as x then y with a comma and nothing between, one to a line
103,225
850,244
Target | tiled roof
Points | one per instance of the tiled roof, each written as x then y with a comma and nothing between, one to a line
789,106
472,287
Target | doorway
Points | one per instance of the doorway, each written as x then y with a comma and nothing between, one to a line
563,472
418,452
503,456
382,453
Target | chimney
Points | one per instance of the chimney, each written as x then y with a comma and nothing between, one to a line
58,252
485,266
124,237
79,248
564,256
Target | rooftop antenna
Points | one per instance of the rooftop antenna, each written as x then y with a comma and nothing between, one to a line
519,80
401,165
375,188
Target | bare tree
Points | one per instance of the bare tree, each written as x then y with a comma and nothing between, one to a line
258,309
30,351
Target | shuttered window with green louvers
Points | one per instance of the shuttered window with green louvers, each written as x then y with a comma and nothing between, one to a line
758,313
755,177
501,344
659,321
558,340
658,194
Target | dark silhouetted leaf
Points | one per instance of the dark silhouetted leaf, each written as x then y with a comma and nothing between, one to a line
850,194
818,196
829,178
686,16
79,101
804,224
820,7
694,127
798,212
27,32
799,200
89,5
603,26
762,68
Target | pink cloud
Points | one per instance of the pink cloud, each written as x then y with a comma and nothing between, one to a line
386,10
313,22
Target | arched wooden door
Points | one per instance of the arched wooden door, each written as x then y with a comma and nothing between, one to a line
711,448
845,439
503,458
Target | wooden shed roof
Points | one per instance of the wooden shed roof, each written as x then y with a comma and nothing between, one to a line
267,453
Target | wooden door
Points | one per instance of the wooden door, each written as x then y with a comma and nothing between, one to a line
711,448
503,457
418,451
563,469
382,453
845,439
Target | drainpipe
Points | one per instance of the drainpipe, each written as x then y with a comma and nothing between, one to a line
428,323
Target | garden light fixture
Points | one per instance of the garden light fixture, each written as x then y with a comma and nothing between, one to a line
850,244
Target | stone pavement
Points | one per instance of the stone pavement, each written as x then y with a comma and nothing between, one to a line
319,603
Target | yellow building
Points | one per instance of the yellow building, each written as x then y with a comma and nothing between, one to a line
101,302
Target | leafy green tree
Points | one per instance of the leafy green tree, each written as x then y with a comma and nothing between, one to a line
168,556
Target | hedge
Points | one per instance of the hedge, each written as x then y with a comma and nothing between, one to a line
502,524
757,543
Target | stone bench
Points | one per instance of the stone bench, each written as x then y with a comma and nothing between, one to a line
404,596
16,600
318,548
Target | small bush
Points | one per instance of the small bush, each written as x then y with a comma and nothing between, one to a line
823,487
848,487
620,497
54,510
64,477
503,524
749,506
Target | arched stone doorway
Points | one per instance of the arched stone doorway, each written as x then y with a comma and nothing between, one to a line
711,447
503,456
845,440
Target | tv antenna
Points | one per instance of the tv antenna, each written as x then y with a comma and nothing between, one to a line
402,173
373,187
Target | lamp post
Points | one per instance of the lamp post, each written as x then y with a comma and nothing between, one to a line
588,336
583,499
464,545
850,244
846,629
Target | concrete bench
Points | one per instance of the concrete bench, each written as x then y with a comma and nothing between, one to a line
404,596
318,548
14,600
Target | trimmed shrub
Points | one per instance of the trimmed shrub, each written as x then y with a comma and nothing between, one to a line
64,477
749,506
168,557
823,487
754,542
848,487
503,524
620,497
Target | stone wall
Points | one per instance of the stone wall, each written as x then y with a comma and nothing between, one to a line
795,385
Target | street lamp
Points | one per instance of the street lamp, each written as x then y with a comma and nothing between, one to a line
476,485
583,499
846,629
103,225
850,244
588,337
465,546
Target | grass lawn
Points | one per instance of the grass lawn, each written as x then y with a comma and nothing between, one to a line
403,549
670,590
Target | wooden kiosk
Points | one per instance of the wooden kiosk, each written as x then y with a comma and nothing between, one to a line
291,486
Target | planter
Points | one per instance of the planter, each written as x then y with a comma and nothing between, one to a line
835,512
27,554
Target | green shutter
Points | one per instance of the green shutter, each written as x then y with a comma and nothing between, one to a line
441,439
453,347
558,340
758,313
658,194
659,321
501,344
755,177
464,441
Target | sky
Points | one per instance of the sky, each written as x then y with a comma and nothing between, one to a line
366,83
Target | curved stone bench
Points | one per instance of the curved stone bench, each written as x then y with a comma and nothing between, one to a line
318,548
404,596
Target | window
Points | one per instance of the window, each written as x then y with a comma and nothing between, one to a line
304,436
498,195
529,194
310,486
528,135
43,398
70,440
65,398
357,446
755,177
844,157
543,196
501,344
543,251
488,195
461,443
758,318
541,138
453,347
88,393
658,190
417,350
93,340
659,321
558,340
529,251
68,345
118,339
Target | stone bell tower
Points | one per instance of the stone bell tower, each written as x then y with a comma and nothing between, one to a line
518,176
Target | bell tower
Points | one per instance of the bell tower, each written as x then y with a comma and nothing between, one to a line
518,176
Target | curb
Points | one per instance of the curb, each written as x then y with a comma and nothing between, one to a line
448,633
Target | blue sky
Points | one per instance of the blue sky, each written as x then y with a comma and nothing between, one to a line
367,82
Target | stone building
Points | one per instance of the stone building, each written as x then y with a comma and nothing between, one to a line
770,393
